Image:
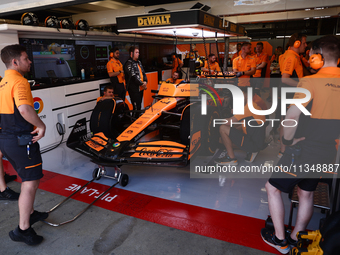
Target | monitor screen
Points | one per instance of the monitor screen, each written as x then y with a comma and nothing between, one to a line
51,57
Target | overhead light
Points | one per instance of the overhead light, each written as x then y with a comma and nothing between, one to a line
184,32
319,8
158,10
282,36
307,9
200,6
306,18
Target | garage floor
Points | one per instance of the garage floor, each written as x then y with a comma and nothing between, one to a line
162,210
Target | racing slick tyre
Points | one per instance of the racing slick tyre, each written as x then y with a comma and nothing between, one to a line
210,134
109,117
197,130
124,180
96,174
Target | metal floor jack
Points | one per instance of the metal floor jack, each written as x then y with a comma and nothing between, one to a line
122,179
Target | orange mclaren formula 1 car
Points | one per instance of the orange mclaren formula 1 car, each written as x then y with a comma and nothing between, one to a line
167,133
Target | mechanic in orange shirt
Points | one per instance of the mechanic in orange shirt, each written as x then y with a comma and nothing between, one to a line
211,65
315,136
21,128
244,65
261,60
115,70
291,69
250,139
175,78
177,64
238,53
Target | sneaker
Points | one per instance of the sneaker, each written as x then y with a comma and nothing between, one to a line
37,216
269,238
251,156
226,161
28,237
9,178
291,242
9,194
223,154
280,154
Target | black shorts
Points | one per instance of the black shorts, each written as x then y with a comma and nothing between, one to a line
29,169
300,173
242,140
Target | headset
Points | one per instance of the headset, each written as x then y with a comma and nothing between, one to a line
111,54
297,44
316,60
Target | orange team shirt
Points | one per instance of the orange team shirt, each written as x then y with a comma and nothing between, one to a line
305,61
215,67
324,123
242,65
21,92
291,64
172,81
248,113
175,64
260,102
324,87
14,91
236,55
259,59
281,58
273,58
140,73
114,66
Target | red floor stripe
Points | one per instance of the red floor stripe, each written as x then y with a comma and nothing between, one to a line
224,226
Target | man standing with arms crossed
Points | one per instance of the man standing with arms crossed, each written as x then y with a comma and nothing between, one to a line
261,60
17,119
316,141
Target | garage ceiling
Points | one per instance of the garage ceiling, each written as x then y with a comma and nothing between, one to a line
286,23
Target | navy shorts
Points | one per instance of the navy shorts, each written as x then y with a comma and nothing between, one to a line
300,172
29,168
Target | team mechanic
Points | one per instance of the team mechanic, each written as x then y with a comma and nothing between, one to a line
115,70
17,119
291,71
316,138
244,65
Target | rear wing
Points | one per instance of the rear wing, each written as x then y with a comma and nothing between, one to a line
78,133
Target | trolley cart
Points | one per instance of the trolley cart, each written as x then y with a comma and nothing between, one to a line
98,172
